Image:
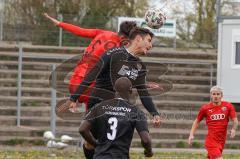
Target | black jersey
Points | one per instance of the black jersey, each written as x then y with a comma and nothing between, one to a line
116,63
119,63
115,121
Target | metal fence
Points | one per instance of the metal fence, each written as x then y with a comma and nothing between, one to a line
54,77
43,32
19,89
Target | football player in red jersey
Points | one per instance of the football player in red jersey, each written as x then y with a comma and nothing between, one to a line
102,40
217,114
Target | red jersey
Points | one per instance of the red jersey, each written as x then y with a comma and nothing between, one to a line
102,41
217,118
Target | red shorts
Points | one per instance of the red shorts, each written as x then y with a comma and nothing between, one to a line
214,150
84,98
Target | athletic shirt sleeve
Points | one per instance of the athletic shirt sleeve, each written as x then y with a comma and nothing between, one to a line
121,57
146,99
232,112
91,76
89,33
94,113
144,94
201,114
141,122
90,116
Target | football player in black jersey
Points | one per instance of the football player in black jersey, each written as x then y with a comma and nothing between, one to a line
121,62
115,63
115,119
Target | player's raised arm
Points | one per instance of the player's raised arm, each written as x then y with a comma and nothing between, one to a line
83,32
193,130
148,103
91,76
53,20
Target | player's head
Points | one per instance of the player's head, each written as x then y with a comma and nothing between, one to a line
126,27
123,87
141,39
216,93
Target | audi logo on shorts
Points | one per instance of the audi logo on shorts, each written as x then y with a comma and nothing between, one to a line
217,116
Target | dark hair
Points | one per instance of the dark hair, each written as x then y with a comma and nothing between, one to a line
126,27
139,31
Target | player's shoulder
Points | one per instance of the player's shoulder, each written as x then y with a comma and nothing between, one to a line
139,114
134,108
109,33
106,35
206,106
106,32
116,50
106,102
126,105
99,109
100,105
227,104
139,110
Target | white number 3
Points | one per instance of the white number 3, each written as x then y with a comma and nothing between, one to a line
113,125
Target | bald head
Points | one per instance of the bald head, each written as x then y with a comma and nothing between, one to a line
123,85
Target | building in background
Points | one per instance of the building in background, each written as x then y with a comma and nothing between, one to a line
228,70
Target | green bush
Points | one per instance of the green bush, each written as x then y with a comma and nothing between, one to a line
181,144
13,142
197,144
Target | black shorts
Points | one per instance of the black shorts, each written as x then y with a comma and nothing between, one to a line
98,95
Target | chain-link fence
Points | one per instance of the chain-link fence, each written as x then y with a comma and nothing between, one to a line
45,33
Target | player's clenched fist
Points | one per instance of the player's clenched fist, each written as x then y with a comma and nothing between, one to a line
232,133
190,139
156,120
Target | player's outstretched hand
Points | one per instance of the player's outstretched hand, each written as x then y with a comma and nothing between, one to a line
66,106
156,120
53,20
71,105
232,133
190,139
153,85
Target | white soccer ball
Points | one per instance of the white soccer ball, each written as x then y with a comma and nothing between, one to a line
155,18
57,145
61,145
66,138
48,135
51,144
